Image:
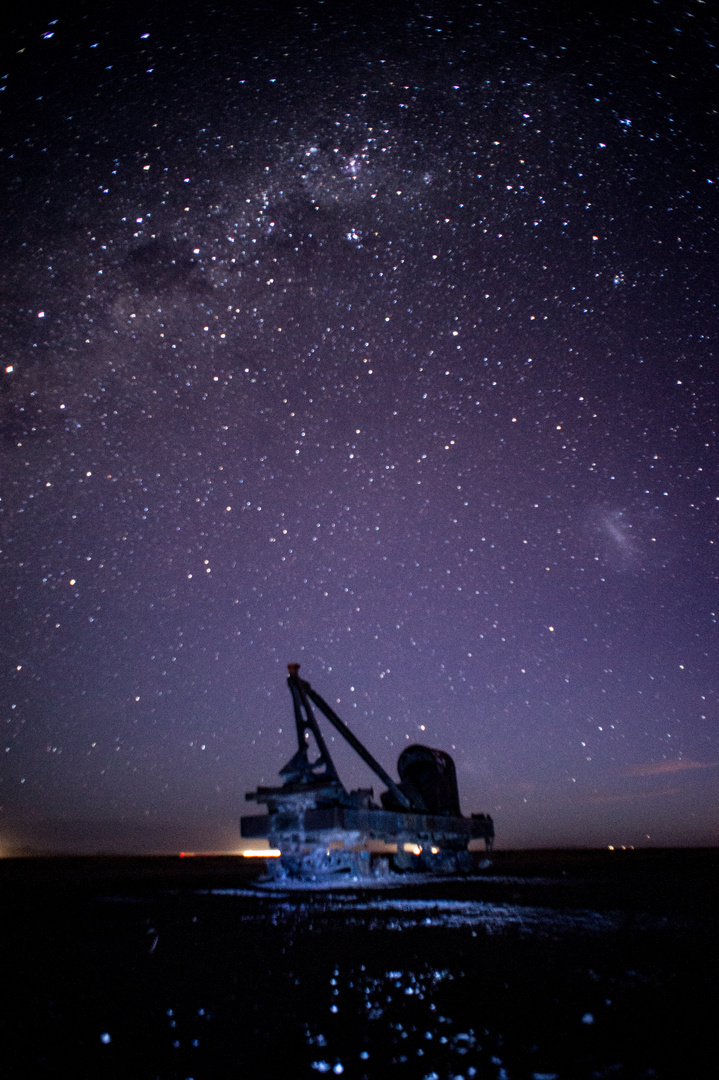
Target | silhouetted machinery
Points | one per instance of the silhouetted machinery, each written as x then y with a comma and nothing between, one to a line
320,828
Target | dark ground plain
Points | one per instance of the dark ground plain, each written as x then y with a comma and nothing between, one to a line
554,965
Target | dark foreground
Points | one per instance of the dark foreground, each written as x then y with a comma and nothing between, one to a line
552,966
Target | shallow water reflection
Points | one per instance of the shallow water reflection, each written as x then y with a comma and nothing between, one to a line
226,983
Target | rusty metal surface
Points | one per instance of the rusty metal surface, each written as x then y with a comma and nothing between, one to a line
378,824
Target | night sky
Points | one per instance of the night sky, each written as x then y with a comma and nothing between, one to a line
376,337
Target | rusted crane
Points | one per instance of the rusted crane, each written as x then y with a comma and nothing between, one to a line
322,829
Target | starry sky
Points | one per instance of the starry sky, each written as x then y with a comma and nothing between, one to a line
377,338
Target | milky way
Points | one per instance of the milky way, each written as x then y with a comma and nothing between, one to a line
378,341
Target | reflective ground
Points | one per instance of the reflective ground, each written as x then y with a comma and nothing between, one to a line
550,966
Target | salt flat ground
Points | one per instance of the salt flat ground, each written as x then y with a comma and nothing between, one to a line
550,966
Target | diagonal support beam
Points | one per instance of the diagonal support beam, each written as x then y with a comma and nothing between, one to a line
303,690
305,721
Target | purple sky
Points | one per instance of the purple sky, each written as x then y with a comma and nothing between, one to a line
376,338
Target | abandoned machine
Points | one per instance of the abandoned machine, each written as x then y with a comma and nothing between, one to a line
322,830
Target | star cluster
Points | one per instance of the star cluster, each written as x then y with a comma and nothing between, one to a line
380,341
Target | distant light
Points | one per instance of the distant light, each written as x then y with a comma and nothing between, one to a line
261,853
105,1037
